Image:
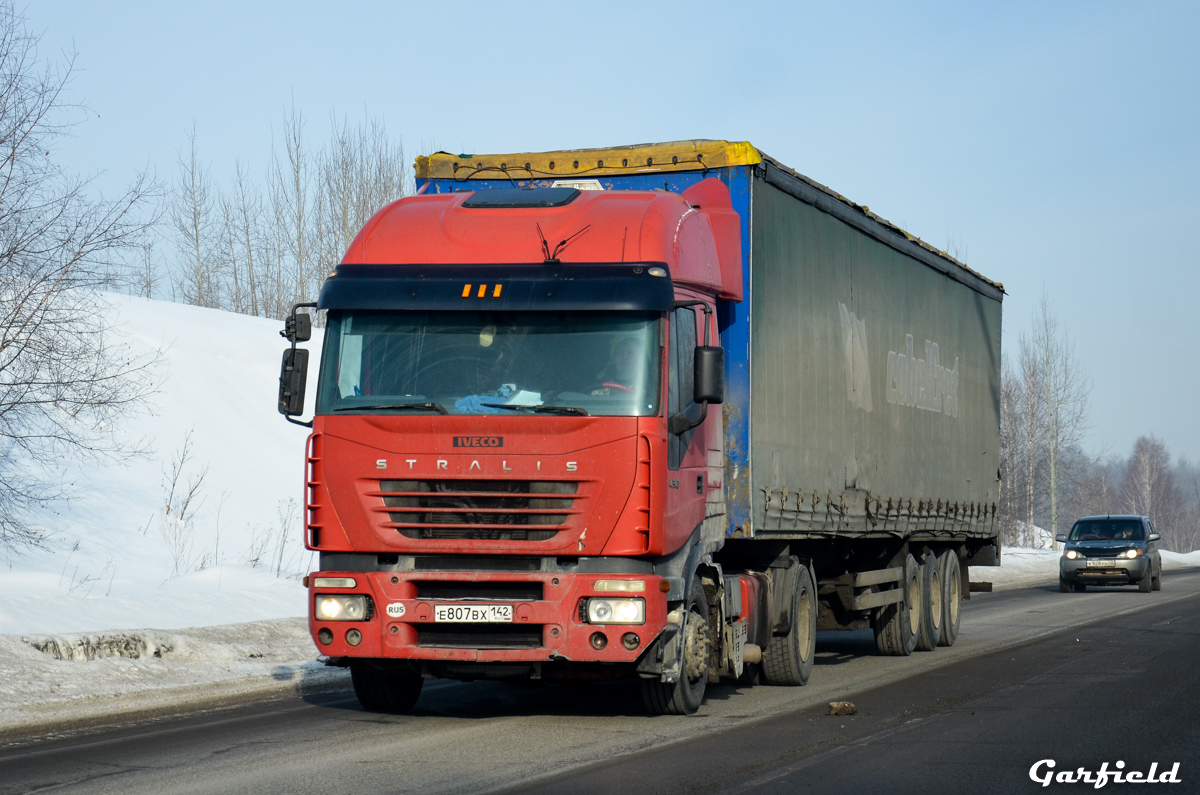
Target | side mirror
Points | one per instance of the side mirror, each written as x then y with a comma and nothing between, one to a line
297,327
292,377
1061,538
708,380
1155,536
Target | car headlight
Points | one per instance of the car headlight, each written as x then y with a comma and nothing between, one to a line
616,611
1070,554
1132,553
330,607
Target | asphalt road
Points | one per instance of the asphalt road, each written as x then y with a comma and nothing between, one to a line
1079,678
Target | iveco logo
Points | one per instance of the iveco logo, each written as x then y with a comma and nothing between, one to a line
478,441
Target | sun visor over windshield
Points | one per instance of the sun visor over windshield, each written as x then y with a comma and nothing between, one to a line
625,286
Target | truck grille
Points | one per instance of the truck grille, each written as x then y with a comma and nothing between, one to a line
486,591
509,510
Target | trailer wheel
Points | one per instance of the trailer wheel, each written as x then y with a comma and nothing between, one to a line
929,622
951,596
382,690
684,696
896,625
789,658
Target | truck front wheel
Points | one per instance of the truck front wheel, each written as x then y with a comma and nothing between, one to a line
685,695
789,658
382,690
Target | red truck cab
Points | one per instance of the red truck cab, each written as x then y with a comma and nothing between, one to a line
516,456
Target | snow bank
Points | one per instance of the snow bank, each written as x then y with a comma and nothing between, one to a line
1029,566
137,673
110,562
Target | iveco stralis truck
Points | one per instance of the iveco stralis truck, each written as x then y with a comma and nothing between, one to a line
655,412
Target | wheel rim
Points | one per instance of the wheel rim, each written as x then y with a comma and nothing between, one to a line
804,624
914,605
935,598
695,648
954,586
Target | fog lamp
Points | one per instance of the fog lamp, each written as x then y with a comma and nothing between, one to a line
599,641
353,637
630,641
325,636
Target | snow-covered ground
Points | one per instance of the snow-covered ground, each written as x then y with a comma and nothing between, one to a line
112,559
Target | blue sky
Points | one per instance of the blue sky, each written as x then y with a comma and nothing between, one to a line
1053,145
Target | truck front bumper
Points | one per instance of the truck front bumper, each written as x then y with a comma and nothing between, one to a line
548,617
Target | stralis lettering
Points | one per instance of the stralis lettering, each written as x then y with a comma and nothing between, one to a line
478,441
1043,773
923,383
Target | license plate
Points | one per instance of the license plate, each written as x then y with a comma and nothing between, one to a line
1102,563
482,614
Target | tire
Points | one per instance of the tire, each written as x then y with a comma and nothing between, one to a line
684,696
1157,584
1146,584
951,597
383,690
1064,586
895,625
789,658
929,622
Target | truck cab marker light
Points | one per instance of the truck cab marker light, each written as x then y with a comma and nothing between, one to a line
605,586
659,272
334,582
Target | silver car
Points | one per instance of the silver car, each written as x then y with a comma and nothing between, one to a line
1110,550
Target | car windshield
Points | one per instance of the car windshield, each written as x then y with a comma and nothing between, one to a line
491,363
1108,530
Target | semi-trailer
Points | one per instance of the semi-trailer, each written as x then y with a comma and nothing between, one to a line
657,412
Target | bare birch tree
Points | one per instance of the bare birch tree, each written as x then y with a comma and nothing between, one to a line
63,386
191,216
1064,390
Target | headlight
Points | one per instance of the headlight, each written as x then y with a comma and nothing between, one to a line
1132,553
341,608
616,611
1070,554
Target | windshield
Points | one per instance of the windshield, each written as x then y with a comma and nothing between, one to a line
491,363
1108,530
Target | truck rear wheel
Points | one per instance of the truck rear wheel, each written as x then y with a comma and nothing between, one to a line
379,689
951,596
896,625
685,695
929,624
789,658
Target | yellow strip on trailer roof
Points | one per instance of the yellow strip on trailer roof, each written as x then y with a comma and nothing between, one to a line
574,163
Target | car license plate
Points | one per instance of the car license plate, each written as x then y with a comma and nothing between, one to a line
483,614
1102,563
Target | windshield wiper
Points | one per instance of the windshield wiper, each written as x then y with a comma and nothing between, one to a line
400,406
539,409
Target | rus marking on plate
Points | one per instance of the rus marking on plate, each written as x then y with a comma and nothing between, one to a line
395,610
